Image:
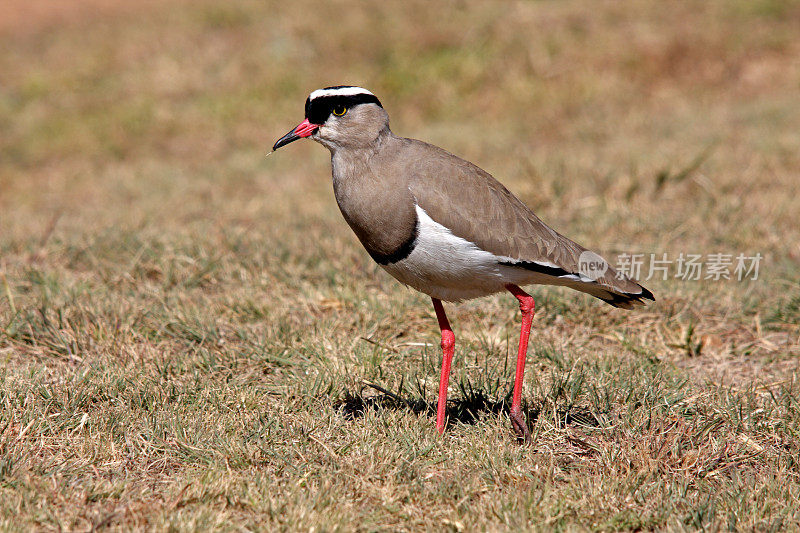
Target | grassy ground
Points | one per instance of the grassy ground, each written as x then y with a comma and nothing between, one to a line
188,330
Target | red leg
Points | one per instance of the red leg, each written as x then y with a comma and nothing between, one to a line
527,307
448,347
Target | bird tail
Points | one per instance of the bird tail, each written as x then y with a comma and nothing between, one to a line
627,295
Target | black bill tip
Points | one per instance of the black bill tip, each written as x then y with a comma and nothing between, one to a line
286,139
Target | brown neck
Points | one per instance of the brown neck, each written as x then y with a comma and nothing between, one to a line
372,193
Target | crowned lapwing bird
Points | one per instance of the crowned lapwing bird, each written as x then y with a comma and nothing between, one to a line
445,227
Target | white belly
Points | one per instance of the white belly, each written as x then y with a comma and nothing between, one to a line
450,268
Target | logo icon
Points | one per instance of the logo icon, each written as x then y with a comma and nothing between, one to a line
591,265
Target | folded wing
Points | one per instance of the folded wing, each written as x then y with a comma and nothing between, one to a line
478,208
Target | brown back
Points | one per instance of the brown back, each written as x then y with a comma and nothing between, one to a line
478,208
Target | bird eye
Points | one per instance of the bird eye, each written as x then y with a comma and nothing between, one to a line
339,110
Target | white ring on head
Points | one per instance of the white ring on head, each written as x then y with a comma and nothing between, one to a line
342,91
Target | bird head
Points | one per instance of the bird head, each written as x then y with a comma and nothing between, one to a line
338,117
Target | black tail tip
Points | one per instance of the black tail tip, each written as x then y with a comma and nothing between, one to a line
647,294
629,301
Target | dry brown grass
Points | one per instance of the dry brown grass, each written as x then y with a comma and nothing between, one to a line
183,323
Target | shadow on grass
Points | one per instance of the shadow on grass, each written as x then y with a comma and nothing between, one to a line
469,408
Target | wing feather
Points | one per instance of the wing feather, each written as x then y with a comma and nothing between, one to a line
478,208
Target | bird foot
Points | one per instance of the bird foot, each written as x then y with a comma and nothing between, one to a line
519,425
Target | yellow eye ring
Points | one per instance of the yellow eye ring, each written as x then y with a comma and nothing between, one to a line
339,110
